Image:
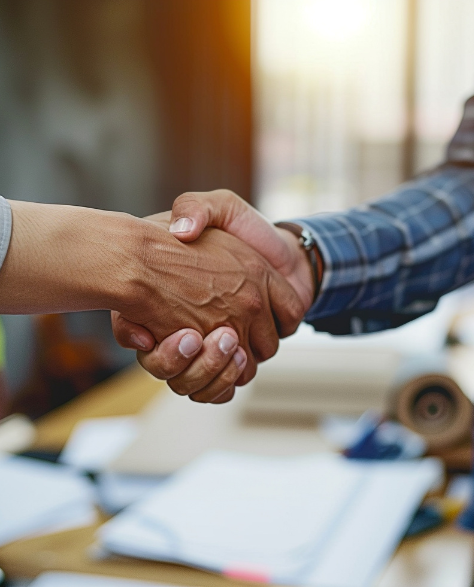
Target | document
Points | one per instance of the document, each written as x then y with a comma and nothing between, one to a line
96,442
115,491
38,497
81,580
279,520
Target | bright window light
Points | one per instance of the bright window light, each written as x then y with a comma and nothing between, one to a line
335,20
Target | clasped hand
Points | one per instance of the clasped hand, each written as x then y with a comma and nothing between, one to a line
211,309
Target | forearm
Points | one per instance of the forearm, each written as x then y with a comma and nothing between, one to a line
65,258
390,261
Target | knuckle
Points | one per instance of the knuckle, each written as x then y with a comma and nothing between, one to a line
212,363
296,315
158,365
228,194
249,373
255,304
226,379
164,371
178,387
257,267
228,397
184,199
297,311
289,322
253,300
144,361
198,399
268,349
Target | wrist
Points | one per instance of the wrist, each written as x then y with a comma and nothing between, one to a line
152,255
303,277
122,264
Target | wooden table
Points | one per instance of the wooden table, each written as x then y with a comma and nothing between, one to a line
440,559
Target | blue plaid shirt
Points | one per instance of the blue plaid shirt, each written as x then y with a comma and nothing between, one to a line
389,261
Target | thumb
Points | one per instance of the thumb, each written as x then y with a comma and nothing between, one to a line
194,211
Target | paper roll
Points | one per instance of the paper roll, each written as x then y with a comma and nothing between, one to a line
434,406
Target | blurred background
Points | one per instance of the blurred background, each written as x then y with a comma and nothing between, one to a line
298,106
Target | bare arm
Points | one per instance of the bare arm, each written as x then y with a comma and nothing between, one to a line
67,258
64,258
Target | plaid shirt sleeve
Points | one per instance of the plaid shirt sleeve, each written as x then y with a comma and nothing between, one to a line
389,261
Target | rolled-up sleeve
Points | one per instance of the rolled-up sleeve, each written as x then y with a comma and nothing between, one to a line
389,261
5,228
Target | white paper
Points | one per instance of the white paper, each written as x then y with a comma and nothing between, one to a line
285,520
373,523
115,491
96,442
80,580
37,497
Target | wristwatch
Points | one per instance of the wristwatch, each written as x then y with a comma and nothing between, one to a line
308,243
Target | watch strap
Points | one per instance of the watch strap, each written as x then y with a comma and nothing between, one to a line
309,244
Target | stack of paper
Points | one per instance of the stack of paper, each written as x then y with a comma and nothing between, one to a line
37,497
280,520
80,580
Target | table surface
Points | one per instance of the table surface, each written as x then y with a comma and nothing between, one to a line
442,558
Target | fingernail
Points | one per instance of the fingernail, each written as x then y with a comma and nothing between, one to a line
227,343
181,225
137,340
188,345
239,358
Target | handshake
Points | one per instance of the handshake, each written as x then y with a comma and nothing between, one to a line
203,292
218,286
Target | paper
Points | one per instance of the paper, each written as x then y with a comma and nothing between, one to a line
80,580
281,520
115,491
96,442
37,497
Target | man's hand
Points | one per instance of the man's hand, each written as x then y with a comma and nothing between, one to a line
224,210
193,212
213,282
67,258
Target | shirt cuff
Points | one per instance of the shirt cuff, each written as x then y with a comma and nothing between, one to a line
5,228
344,276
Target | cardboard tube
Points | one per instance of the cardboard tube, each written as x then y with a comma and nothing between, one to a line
434,406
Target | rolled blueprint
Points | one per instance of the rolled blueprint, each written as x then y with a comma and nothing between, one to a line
427,399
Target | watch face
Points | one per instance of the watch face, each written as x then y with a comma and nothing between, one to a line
307,241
